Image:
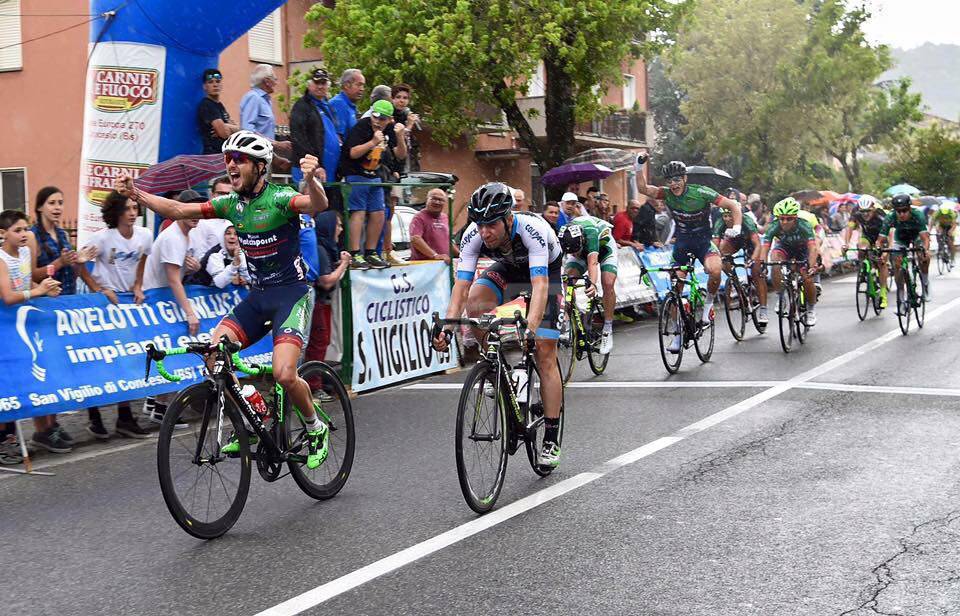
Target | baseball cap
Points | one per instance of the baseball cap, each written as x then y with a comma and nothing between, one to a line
382,109
319,75
191,196
212,73
569,196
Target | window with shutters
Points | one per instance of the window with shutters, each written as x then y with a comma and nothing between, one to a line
13,189
11,56
629,91
266,40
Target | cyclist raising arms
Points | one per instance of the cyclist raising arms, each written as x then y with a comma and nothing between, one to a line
689,205
868,216
909,229
591,248
749,241
795,241
945,217
526,254
267,220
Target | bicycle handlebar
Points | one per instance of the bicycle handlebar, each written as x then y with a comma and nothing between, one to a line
155,355
572,281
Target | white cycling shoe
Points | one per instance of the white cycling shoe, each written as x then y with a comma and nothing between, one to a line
606,343
674,346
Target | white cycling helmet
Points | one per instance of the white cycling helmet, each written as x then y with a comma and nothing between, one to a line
866,202
251,144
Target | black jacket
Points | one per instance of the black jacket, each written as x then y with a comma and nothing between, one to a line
306,130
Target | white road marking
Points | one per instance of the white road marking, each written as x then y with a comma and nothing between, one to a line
340,585
626,385
882,389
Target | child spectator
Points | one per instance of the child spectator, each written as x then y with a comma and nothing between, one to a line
226,263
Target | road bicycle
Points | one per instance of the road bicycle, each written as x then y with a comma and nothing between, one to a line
910,297
741,300
500,409
792,314
679,316
206,489
869,291
944,260
580,332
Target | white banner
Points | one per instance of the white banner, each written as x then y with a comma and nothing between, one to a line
121,123
392,320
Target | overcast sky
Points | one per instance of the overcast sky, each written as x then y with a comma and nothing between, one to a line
911,23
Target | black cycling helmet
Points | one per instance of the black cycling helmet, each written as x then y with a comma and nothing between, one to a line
901,200
571,239
674,168
490,203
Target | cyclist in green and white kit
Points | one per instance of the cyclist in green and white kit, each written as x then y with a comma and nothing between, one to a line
589,242
267,219
909,226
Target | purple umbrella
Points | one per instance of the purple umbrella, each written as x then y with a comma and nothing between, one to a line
575,173
181,172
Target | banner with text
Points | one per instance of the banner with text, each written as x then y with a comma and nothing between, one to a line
121,123
392,319
77,351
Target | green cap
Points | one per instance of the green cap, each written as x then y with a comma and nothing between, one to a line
382,109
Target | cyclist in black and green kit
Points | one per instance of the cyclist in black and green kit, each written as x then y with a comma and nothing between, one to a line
689,204
909,229
749,242
267,219
789,237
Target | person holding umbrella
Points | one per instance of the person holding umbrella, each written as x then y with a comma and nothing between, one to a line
690,206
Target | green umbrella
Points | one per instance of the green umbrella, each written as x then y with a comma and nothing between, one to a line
901,188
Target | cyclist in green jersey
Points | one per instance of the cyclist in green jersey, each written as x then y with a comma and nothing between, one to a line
795,241
909,227
945,218
689,204
267,219
868,217
749,241
588,242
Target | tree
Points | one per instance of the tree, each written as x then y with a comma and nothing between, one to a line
665,98
832,78
736,100
930,160
462,55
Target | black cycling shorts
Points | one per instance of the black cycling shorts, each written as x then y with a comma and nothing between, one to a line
508,282
284,310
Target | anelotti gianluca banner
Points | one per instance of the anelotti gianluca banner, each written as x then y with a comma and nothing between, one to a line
76,351
392,320
121,123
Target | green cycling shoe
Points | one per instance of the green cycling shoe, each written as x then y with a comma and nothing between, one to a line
318,446
232,447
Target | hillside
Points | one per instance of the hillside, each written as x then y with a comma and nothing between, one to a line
935,73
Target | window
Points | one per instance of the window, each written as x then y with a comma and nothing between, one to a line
13,189
538,82
629,91
11,56
266,40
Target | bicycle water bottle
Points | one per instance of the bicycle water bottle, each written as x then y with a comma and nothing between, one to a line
519,378
250,393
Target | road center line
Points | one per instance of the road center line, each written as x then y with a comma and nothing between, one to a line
333,588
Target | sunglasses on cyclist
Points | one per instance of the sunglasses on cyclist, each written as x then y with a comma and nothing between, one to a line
237,157
901,210
786,218
677,179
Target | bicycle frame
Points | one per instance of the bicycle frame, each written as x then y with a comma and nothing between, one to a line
570,287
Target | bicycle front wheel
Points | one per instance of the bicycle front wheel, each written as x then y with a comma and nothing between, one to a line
755,307
863,294
204,489
704,338
481,438
594,327
567,344
670,325
942,261
919,303
735,306
903,302
328,392
785,317
534,422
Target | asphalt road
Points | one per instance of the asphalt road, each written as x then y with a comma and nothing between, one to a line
823,482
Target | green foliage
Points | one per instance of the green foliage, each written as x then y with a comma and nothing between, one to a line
462,55
665,98
930,160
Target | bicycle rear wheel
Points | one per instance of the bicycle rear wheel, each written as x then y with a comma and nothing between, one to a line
594,327
534,423
326,389
879,292
863,294
801,320
205,496
567,344
735,306
704,338
670,326
942,261
919,303
903,302
481,438
785,317
755,308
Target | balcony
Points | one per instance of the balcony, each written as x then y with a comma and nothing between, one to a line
621,128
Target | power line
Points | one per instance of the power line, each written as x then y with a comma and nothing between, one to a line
49,34
47,15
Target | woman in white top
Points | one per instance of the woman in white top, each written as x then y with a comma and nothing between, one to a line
122,250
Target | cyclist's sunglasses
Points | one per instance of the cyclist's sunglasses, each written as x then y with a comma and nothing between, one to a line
214,77
901,210
677,179
787,217
237,157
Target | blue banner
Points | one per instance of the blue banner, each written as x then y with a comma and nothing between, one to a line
77,351
663,257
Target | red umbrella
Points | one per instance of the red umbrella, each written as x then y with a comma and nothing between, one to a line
181,172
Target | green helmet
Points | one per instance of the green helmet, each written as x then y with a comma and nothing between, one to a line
786,207
946,209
